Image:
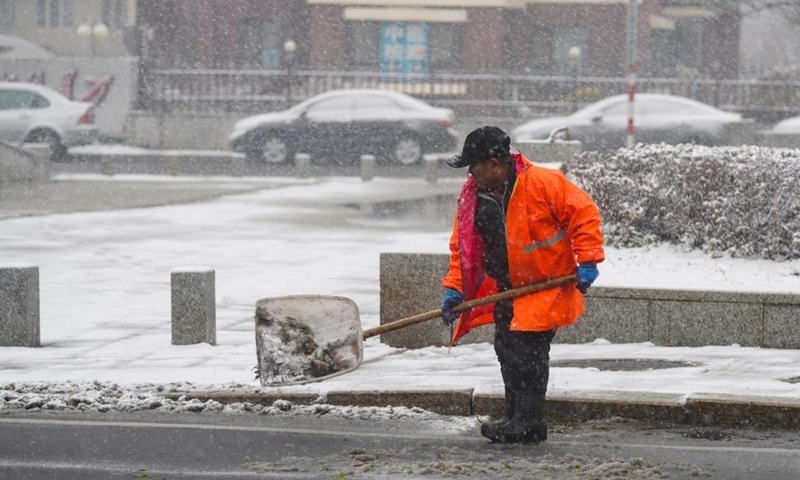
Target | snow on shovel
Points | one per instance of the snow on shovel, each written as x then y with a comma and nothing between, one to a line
310,338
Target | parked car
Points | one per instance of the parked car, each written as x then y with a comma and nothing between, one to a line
345,123
31,113
658,118
789,126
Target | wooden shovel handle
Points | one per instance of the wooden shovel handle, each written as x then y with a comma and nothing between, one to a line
475,302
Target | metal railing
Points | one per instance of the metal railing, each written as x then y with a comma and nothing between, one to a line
487,95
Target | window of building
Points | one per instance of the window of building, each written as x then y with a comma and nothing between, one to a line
41,13
115,13
7,13
445,47
260,45
364,45
55,15
542,58
689,36
51,13
68,18
404,47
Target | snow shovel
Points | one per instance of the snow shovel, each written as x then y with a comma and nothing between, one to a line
310,338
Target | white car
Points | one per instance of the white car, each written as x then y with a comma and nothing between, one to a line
31,113
658,118
789,126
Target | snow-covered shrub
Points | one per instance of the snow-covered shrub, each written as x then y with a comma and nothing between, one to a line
744,201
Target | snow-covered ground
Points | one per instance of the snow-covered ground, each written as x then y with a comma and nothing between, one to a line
105,300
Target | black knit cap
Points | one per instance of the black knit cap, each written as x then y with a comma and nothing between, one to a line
482,144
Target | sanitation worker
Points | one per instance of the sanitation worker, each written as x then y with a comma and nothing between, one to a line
517,224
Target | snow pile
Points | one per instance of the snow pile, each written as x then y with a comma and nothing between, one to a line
106,397
743,201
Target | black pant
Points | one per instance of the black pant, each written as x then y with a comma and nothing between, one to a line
524,356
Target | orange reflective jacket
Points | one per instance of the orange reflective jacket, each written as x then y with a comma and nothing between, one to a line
551,226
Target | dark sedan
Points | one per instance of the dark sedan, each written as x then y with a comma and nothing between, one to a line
344,123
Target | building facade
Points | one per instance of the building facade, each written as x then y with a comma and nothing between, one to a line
532,37
56,25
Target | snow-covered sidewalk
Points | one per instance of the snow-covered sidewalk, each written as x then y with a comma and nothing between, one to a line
105,296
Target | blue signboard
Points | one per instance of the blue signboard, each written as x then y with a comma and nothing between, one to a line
404,48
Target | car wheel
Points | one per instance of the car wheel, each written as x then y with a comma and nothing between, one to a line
407,151
274,149
58,151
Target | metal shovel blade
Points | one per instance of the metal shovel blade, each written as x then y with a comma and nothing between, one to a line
306,338
310,338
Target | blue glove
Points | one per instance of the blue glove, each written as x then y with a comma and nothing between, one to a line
587,274
451,298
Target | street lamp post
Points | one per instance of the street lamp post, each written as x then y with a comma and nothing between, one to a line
92,31
574,54
289,47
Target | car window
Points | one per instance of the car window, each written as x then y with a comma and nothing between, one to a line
665,107
411,103
618,108
330,105
376,102
39,102
621,108
14,99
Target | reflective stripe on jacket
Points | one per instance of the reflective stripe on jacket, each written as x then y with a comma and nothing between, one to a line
551,226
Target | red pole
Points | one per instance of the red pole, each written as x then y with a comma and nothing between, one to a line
631,104
633,31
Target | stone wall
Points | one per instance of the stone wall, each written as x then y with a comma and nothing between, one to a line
411,284
199,131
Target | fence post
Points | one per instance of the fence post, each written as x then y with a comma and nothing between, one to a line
431,167
19,306
302,165
367,167
194,317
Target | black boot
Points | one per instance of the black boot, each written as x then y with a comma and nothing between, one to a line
527,424
489,429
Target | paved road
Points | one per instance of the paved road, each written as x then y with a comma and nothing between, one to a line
215,446
62,196
190,162
72,190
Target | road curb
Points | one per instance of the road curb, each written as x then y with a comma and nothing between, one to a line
743,411
444,402
697,409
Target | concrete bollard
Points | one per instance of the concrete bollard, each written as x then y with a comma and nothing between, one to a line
194,314
302,165
237,168
172,165
19,306
107,165
367,167
431,167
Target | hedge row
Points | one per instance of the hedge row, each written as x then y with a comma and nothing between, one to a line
743,201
